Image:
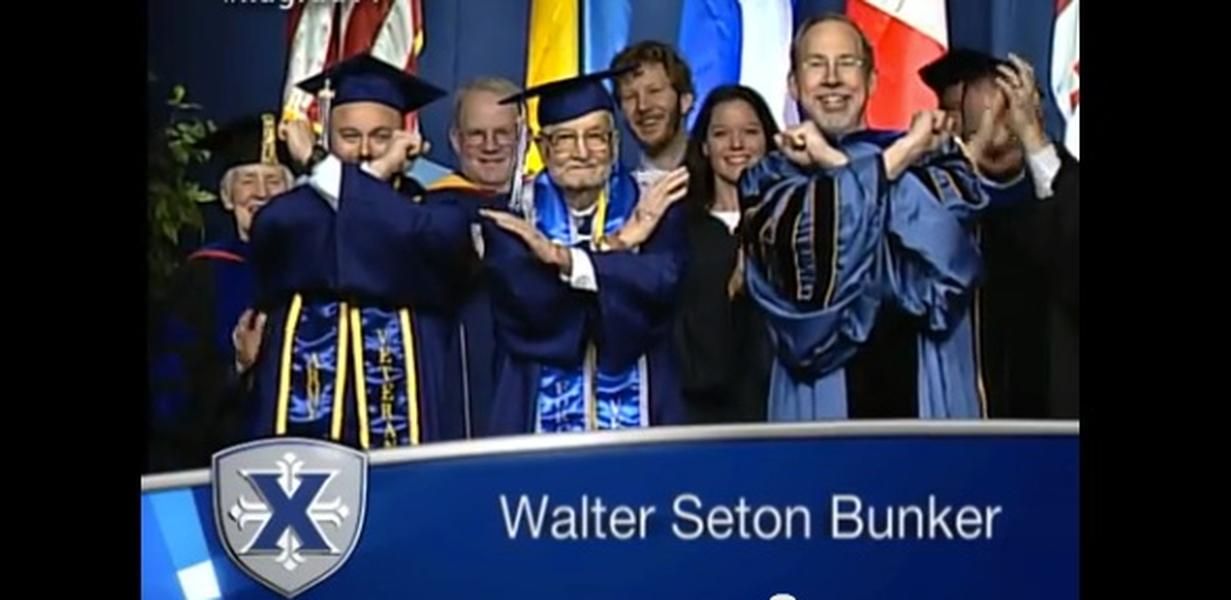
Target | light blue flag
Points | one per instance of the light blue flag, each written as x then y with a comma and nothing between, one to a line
605,26
711,34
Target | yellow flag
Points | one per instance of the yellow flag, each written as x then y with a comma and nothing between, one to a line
552,53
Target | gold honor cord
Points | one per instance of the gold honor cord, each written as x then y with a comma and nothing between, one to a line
284,376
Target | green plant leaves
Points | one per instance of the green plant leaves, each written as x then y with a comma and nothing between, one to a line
173,200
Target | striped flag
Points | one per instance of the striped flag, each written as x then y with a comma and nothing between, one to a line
765,51
1065,70
905,36
740,41
311,27
322,33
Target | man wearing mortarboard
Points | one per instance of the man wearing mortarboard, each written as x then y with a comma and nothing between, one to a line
195,391
584,280
1028,303
359,277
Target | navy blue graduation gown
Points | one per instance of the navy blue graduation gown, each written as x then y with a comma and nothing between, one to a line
475,342
361,306
865,284
544,325
195,408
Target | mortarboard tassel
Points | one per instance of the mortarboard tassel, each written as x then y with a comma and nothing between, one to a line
269,140
517,201
325,102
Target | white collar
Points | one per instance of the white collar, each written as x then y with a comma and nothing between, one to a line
583,212
730,218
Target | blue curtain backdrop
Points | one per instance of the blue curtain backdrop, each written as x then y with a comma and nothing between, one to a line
231,55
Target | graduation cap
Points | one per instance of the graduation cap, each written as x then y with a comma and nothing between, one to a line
567,99
960,65
559,101
364,78
246,141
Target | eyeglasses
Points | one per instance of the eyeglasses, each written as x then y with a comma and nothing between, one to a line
477,138
843,65
563,142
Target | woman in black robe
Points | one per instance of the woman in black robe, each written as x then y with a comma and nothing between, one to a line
721,341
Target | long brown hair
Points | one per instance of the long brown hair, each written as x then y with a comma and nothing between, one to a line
700,173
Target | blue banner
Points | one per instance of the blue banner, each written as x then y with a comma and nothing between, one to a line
710,41
842,510
605,26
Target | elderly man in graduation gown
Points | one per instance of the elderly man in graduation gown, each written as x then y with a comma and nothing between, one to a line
195,383
859,250
1027,315
584,279
483,136
359,277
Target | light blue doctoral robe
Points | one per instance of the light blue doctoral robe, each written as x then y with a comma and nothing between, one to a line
821,271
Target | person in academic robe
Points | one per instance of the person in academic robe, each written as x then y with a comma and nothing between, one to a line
195,382
483,137
1027,309
359,277
585,278
721,338
859,250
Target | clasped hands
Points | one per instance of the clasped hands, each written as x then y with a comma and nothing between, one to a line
806,146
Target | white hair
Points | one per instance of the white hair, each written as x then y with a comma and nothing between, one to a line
228,180
496,85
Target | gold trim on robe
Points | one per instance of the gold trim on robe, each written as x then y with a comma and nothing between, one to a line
284,375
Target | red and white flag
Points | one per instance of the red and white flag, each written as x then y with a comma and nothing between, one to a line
1066,71
322,33
905,36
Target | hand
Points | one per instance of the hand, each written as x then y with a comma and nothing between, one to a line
404,148
928,131
543,248
246,338
665,192
299,138
1025,109
976,149
806,146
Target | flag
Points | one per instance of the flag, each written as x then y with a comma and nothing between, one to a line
739,41
710,42
322,33
765,51
1065,70
552,53
905,36
606,26
311,25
